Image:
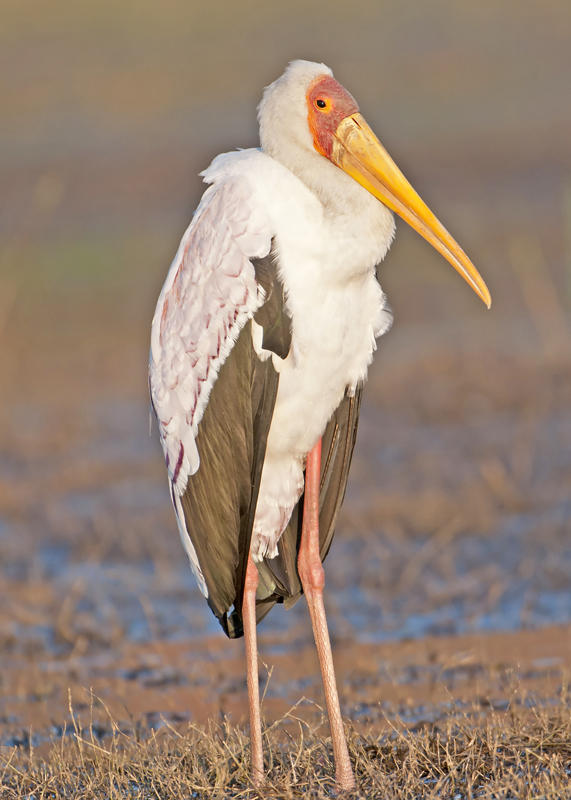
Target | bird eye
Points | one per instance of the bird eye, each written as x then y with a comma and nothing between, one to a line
320,103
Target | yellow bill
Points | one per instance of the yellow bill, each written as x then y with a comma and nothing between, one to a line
360,154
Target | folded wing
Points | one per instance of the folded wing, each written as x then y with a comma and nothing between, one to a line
220,321
209,297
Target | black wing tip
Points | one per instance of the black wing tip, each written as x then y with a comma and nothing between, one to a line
232,624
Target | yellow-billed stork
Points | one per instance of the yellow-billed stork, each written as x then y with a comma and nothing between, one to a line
261,340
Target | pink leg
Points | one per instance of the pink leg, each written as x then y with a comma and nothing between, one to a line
249,619
313,580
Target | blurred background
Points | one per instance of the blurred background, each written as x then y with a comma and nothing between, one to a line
457,515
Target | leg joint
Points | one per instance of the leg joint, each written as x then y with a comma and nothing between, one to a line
251,581
311,573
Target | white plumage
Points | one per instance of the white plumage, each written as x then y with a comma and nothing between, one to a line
326,260
328,244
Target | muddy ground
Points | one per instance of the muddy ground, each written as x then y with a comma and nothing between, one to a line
448,581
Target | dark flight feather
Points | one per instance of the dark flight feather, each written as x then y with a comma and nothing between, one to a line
220,499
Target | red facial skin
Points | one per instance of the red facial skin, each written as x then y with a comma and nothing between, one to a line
324,121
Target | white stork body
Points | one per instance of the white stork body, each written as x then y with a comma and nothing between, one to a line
326,258
326,261
260,344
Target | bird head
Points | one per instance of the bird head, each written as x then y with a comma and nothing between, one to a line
312,124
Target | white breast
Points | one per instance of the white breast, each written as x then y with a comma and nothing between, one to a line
327,261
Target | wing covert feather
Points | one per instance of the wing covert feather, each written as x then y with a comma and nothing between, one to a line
209,295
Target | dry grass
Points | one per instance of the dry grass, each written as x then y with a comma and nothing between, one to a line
522,752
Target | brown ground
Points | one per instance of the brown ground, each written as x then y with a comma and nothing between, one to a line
448,583
200,679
